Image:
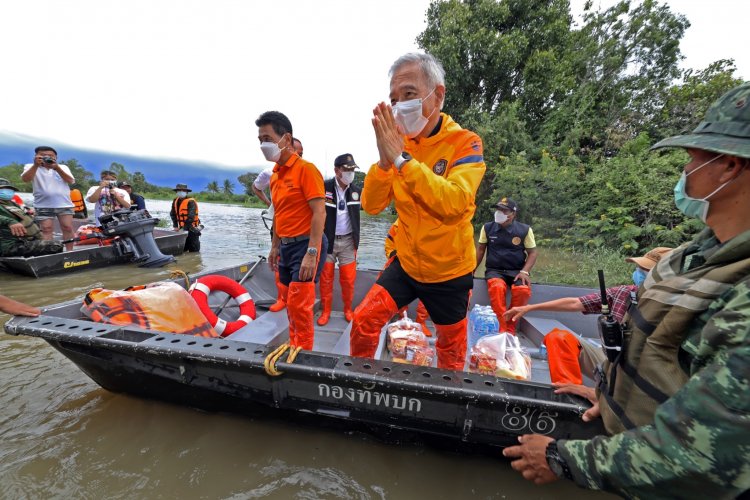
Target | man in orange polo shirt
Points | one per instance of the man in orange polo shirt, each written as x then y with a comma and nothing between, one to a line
298,198
431,168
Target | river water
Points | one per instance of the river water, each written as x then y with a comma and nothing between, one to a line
62,436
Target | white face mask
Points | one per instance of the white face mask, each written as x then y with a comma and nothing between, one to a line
500,217
181,194
271,150
347,177
408,115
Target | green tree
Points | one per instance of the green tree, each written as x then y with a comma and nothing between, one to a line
213,187
120,171
246,180
687,102
84,178
227,188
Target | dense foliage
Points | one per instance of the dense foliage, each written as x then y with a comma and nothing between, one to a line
567,110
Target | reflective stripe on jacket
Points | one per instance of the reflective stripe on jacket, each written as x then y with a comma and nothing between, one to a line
434,197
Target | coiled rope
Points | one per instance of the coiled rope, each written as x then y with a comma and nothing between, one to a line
176,273
269,364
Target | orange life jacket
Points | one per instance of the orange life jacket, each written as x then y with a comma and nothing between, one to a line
78,204
89,234
164,307
180,206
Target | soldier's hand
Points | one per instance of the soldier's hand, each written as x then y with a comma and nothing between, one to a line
585,392
531,458
17,229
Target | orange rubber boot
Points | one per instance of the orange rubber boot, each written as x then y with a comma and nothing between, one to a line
300,312
519,296
347,276
369,318
451,345
422,318
563,350
496,289
326,292
281,295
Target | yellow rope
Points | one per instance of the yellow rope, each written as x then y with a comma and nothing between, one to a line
175,273
293,354
270,362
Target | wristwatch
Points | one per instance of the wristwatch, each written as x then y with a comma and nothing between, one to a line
401,159
556,462
524,272
312,251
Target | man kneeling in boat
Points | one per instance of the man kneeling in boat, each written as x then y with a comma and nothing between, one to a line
569,356
19,235
430,168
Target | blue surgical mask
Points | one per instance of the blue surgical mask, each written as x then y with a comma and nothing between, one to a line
181,194
6,194
696,208
639,275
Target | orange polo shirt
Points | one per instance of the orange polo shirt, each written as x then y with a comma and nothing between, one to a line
293,185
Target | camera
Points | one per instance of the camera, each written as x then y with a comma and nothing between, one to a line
112,184
48,159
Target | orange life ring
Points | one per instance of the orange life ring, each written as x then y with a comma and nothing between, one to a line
202,288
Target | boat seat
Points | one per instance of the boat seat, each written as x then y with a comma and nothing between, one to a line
267,328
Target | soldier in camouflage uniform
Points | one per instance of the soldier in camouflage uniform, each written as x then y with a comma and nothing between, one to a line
19,235
676,401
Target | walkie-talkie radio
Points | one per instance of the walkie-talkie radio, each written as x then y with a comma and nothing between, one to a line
610,331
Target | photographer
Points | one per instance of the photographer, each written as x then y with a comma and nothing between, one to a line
51,186
107,197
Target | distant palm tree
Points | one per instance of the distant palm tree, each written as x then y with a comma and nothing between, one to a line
212,187
228,187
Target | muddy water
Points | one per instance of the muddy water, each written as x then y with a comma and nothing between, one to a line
62,436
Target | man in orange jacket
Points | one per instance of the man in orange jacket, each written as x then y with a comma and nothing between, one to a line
298,242
430,168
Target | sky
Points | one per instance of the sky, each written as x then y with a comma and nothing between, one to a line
187,78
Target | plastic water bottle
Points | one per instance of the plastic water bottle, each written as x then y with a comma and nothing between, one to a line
482,322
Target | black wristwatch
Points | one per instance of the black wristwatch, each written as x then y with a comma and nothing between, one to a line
401,159
556,462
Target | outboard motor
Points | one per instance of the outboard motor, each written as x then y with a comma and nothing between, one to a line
136,231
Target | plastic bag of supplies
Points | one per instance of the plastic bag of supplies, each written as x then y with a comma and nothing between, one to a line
500,355
408,344
161,306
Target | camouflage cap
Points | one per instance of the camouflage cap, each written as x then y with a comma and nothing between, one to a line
5,183
725,129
